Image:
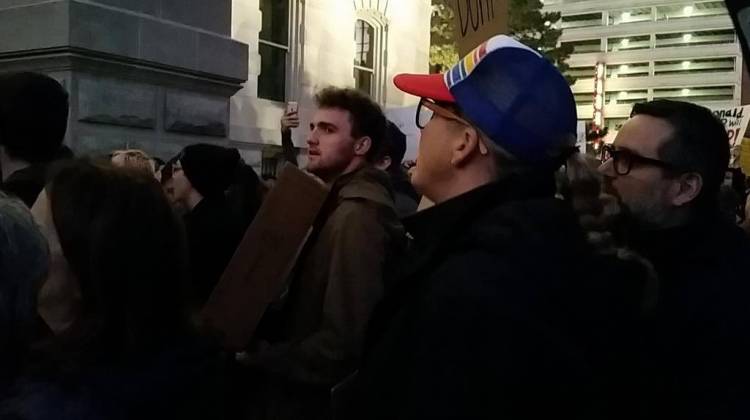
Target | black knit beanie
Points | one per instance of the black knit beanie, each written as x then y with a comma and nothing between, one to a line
209,168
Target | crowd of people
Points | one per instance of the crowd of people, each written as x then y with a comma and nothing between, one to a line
537,283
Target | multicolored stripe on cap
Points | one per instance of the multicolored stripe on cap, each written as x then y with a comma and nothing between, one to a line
463,68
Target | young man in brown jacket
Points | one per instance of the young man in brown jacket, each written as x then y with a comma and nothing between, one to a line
339,277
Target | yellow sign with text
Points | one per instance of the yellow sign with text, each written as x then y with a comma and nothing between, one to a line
745,156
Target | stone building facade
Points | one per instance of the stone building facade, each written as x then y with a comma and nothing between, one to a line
160,74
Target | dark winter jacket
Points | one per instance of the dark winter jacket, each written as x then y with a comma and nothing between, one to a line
213,236
502,311
405,196
337,283
698,340
183,382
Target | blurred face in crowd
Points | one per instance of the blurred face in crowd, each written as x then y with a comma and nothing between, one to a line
179,187
136,159
332,150
637,175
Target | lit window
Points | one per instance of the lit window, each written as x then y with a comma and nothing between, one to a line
638,42
624,97
581,72
695,10
273,46
371,48
617,17
697,94
696,66
581,21
585,46
627,70
713,37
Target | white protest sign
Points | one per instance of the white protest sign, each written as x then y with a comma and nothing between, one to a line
405,120
735,120
581,134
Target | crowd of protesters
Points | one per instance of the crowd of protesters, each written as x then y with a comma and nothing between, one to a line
537,284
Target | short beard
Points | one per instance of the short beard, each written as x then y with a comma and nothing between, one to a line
646,216
641,216
329,174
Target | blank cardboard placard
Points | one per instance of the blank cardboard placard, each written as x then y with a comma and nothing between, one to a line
256,274
477,21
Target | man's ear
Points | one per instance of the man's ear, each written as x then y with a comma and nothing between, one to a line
466,145
686,189
362,146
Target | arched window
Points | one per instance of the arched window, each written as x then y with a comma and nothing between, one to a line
364,57
371,44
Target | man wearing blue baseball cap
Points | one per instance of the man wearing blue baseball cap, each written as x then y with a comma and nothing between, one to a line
485,319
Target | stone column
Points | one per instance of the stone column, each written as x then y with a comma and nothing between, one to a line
149,74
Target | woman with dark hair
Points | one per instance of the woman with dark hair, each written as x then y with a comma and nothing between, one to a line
245,195
23,265
131,351
201,175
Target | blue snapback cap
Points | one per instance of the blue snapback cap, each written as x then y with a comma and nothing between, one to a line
510,92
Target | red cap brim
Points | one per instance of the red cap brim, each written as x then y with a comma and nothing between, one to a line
430,86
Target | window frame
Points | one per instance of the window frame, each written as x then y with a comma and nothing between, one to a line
361,68
379,22
292,51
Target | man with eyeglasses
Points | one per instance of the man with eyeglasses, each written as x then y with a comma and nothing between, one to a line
666,166
484,319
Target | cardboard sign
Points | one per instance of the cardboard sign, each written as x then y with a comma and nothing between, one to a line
735,121
268,252
477,21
